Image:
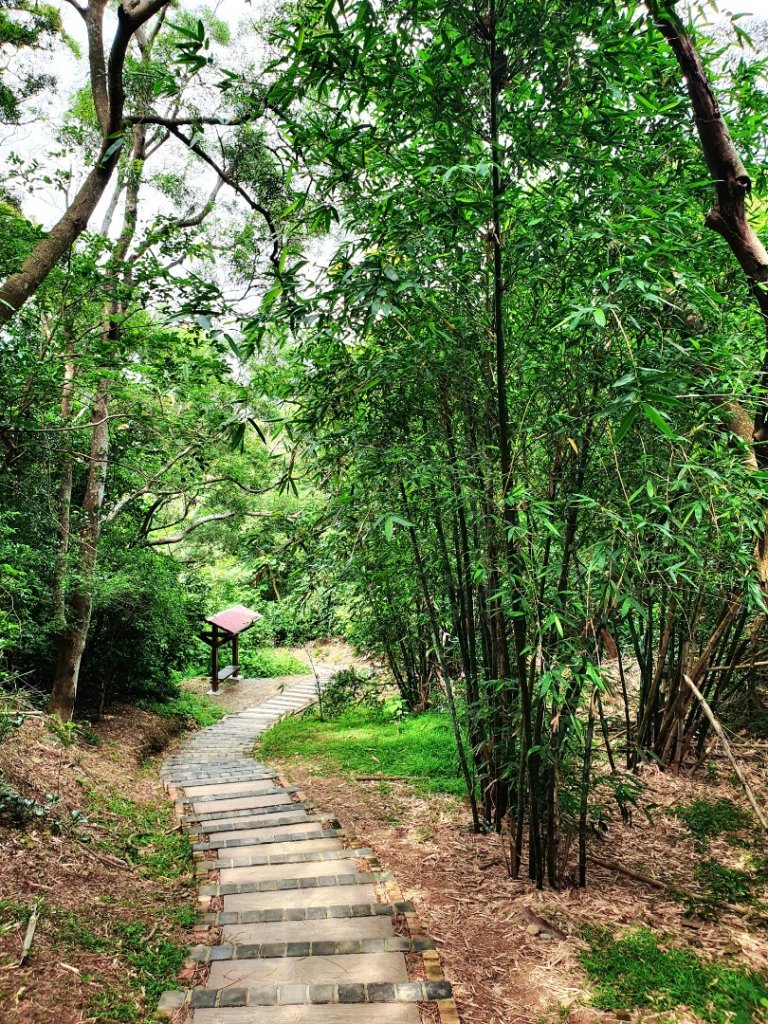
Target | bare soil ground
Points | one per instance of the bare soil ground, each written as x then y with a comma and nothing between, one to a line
237,696
240,694
71,873
505,968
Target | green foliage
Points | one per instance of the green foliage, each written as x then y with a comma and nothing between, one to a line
723,884
369,741
707,819
25,25
20,810
193,710
268,663
151,961
636,971
145,621
348,689
142,834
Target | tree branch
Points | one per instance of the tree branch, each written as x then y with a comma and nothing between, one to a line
188,122
235,186
120,505
177,538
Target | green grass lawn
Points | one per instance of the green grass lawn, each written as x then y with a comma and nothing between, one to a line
367,742
637,971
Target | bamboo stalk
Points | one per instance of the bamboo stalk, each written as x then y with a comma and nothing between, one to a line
728,752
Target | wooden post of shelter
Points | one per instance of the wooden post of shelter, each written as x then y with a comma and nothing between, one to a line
226,627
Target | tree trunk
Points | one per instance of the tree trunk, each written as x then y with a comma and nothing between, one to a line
65,494
728,217
71,643
109,101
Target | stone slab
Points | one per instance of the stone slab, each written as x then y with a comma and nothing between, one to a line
301,846
242,803
297,823
201,790
374,1013
311,869
332,930
309,970
323,896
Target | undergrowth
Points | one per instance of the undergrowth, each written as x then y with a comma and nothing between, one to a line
192,709
142,834
269,662
149,961
707,820
371,741
636,971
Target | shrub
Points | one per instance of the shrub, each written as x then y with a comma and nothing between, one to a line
144,627
266,662
192,709
348,688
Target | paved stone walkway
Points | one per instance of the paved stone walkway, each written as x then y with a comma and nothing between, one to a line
298,923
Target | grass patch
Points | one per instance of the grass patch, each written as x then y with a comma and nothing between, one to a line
142,834
152,962
149,962
192,709
269,662
706,820
364,741
726,885
634,971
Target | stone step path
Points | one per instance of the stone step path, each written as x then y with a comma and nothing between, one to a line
298,924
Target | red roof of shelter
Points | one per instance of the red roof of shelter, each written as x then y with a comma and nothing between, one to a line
234,619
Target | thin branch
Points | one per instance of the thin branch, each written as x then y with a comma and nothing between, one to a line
120,505
188,122
199,151
177,538
213,518
81,426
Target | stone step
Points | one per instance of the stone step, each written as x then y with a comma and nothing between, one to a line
196,791
318,896
321,854
287,814
206,810
329,912
250,828
295,867
381,1013
277,837
307,970
290,883
199,785
315,843
313,948
260,817
327,930
260,788
195,762
217,775
318,994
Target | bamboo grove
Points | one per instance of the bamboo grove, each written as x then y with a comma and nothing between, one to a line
507,362
529,380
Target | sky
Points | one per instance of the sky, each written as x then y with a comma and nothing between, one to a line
36,138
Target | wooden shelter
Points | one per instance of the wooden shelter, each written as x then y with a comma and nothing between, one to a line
226,627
